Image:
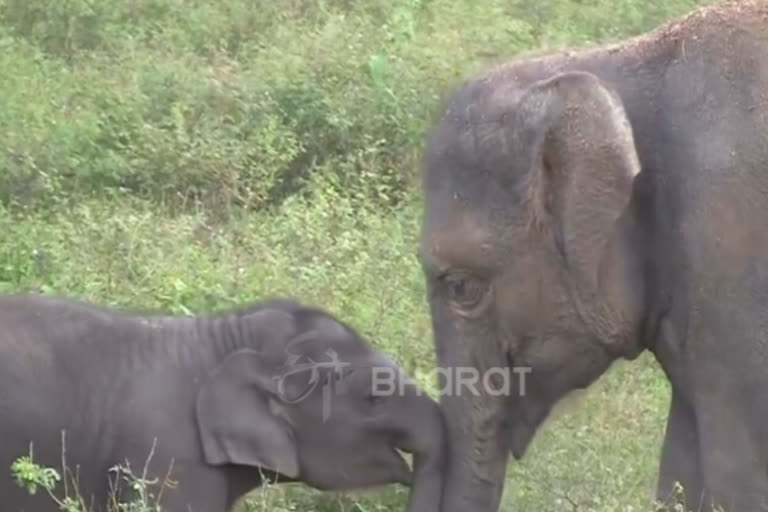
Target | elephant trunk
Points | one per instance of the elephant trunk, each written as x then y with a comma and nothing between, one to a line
476,402
427,443
477,455
427,485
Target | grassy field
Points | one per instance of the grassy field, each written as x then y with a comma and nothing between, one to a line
193,155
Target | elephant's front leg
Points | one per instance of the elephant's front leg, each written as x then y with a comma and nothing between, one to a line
680,456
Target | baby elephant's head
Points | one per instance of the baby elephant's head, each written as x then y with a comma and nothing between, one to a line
313,401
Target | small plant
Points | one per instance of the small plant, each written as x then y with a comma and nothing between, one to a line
33,477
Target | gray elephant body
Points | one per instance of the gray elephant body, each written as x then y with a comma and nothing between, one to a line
586,206
219,396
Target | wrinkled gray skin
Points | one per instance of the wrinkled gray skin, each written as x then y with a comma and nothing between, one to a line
587,206
209,389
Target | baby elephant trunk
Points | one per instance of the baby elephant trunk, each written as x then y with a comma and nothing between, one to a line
426,442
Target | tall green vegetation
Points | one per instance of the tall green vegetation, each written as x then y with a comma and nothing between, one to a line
190,155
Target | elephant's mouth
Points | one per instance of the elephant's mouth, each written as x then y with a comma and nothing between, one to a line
402,472
520,436
381,467
518,427
526,415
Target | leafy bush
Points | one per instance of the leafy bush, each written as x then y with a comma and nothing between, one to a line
238,103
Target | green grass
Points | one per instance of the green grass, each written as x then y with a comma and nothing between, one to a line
190,156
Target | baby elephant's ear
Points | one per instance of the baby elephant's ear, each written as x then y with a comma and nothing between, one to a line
235,421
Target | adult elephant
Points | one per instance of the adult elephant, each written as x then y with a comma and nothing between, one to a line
587,206
272,391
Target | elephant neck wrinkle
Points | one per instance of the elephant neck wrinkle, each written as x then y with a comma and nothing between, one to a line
224,334
192,341
179,339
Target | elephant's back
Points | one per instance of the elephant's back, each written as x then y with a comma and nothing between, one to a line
57,354
32,326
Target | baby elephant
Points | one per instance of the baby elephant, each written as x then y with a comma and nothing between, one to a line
273,392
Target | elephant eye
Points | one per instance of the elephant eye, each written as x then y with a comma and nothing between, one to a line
374,399
463,290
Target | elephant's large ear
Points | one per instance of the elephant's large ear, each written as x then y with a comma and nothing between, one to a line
573,143
236,423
